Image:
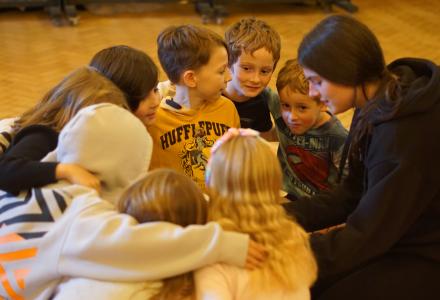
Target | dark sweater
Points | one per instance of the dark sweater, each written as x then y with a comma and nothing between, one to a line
391,202
20,166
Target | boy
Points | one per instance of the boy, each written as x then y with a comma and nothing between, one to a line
311,139
66,230
187,125
254,50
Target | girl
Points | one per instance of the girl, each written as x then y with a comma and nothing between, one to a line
162,195
244,180
36,132
131,70
390,200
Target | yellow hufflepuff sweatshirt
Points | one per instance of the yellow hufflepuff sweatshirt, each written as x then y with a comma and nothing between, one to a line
183,137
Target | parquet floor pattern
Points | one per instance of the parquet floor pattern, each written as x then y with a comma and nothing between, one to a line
35,54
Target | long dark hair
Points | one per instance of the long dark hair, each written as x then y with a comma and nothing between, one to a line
345,51
132,70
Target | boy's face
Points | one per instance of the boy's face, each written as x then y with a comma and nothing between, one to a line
213,77
300,112
251,73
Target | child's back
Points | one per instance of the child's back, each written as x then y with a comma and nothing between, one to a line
244,196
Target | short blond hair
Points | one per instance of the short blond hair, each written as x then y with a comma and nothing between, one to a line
244,187
292,76
249,35
83,87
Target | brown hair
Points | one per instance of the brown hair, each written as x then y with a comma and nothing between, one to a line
292,76
132,70
343,50
249,35
166,195
83,87
186,47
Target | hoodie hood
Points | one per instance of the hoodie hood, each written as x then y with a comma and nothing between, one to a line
421,80
108,141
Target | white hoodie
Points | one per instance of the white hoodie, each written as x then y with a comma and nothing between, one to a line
65,230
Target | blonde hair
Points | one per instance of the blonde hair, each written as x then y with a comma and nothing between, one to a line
292,76
166,195
249,35
244,187
83,87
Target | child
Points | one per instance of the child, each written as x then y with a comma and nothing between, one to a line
36,132
196,62
135,73
311,139
244,197
150,199
254,50
130,69
65,230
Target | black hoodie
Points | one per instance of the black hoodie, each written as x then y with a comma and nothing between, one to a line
393,205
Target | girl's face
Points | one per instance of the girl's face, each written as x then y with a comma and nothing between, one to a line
338,98
146,111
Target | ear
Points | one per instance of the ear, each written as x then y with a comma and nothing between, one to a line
189,78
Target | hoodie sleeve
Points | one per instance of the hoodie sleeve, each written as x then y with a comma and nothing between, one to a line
105,245
20,166
392,205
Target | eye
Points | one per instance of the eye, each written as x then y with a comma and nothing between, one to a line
302,108
156,90
266,71
246,68
285,106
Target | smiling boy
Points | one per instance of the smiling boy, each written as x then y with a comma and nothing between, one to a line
254,50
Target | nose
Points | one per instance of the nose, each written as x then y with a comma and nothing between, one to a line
255,77
293,115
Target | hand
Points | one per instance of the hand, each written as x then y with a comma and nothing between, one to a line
256,256
77,175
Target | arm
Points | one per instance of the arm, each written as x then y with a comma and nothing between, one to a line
387,211
20,167
327,208
6,133
106,245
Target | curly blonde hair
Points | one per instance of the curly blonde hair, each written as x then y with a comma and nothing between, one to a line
244,187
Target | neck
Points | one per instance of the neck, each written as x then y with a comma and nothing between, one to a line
365,93
231,93
186,97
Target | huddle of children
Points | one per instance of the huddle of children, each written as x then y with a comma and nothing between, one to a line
104,125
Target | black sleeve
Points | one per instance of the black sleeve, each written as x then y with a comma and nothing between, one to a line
400,186
20,166
327,208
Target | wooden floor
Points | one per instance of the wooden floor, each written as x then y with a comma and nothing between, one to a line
34,54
